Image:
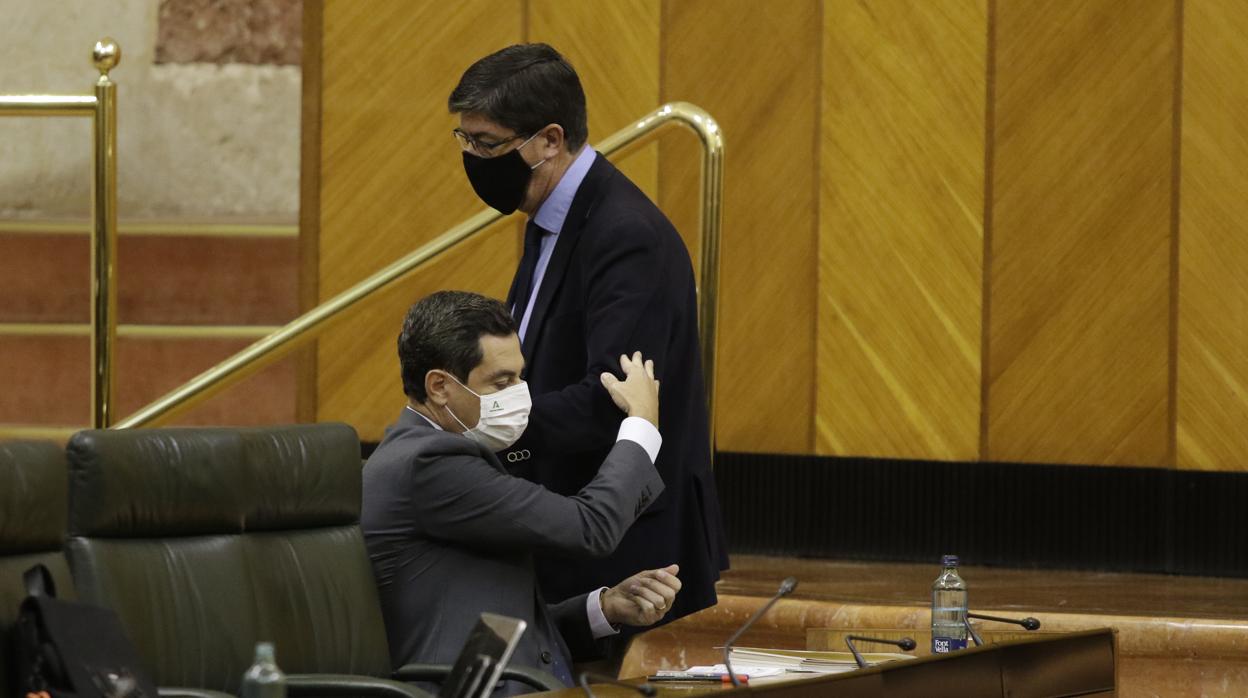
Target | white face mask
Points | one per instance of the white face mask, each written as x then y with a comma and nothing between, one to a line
504,415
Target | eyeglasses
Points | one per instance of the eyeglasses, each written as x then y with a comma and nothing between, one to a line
482,147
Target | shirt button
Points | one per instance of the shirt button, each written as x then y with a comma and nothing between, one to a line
546,656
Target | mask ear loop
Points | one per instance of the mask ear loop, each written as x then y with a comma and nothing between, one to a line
539,164
448,407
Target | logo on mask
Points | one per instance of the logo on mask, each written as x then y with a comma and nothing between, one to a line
503,416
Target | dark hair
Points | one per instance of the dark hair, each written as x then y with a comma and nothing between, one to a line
524,87
443,331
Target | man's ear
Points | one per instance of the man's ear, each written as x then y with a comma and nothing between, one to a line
552,140
435,387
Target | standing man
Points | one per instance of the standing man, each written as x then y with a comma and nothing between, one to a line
603,273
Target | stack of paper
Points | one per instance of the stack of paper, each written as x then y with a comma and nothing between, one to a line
807,660
754,672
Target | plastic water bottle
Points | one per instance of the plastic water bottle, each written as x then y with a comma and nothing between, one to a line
948,608
264,679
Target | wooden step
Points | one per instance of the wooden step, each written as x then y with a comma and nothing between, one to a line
190,294
161,279
46,381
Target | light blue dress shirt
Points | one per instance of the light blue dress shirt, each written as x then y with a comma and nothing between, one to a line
550,217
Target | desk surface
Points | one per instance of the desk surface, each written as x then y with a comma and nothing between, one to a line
997,588
1079,663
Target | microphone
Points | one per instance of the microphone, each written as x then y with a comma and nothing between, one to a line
644,689
1028,623
905,643
786,588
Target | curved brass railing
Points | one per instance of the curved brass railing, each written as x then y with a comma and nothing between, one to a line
267,350
102,108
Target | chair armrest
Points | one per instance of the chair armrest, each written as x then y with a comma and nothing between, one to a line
421,672
179,692
349,686
534,678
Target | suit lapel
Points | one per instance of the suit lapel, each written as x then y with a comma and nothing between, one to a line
582,205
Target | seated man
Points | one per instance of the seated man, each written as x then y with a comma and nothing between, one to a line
451,534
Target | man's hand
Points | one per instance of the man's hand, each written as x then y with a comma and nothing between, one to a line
638,393
643,598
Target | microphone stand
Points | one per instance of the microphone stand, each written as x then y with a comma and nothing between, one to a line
1029,623
905,643
786,588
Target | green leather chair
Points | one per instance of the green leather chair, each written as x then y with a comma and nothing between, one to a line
206,541
33,517
32,531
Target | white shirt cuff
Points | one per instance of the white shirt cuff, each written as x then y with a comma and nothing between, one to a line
643,433
598,624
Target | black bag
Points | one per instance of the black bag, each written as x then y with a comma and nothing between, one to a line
73,650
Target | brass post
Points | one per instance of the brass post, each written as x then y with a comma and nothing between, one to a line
106,55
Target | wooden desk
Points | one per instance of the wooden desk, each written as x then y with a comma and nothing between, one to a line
1074,664
1177,636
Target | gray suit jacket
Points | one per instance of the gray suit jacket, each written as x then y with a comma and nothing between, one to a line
451,534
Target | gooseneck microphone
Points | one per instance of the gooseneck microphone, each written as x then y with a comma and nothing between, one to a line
1028,623
644,689
905,643
786,588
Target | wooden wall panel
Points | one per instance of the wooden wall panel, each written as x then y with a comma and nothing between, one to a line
614,47
900,230
754,67
1212,391
1078,365
391,178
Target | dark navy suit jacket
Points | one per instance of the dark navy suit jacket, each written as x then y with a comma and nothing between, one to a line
620,280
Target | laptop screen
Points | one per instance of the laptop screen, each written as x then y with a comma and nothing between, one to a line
485,654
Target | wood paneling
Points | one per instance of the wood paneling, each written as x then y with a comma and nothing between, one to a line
867,305
391,179
900,229
1078,365
614,47
753,66
1212,391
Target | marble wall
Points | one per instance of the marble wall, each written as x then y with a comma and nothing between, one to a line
208,107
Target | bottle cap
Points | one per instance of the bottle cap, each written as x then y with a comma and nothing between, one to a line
264,651
949,560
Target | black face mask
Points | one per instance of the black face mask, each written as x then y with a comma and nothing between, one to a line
501,182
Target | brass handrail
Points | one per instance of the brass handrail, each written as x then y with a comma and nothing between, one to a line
155,228
102,108
267,350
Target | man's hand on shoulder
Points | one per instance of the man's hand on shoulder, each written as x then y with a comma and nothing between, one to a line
642,599
638,393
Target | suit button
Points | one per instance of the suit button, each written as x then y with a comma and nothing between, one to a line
546,657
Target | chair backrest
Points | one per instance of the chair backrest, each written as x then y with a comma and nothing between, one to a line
207,540
32,530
